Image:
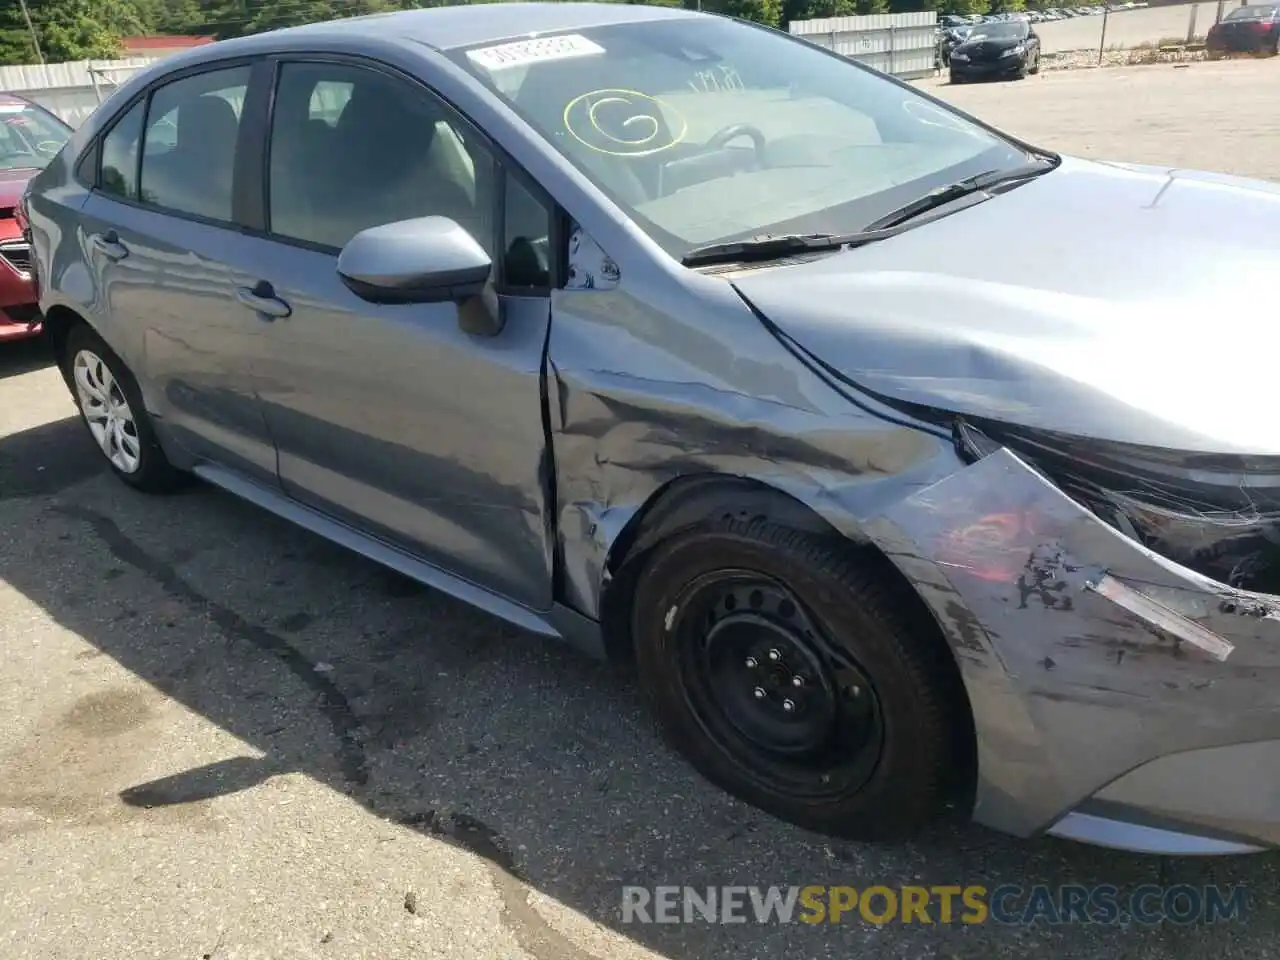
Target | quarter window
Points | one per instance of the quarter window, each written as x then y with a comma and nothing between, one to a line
120,155
189,146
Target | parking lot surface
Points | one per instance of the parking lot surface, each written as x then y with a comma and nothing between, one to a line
221,737
1211,116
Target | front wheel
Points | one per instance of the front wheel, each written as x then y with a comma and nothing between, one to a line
801,678
112,409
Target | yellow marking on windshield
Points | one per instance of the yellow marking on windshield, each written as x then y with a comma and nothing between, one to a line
624,123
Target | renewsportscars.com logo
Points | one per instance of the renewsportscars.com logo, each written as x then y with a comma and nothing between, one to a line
1009,904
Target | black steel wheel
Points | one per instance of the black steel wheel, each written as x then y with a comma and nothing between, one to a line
799,676
765,683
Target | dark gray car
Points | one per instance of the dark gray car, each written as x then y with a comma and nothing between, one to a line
890,447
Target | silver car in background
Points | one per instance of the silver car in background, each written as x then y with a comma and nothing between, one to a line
886,444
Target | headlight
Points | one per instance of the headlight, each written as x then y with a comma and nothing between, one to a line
1218,516
1014,51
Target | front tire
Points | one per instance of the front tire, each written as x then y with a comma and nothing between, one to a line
113,412
801,678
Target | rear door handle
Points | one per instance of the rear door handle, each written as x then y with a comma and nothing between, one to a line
109,245
261,299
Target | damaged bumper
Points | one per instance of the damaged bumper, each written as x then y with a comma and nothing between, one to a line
1119,697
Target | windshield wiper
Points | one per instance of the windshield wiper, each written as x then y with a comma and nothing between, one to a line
770,247
979,183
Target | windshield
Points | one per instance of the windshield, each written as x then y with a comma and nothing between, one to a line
708,130
1007,30
29,136
1251,13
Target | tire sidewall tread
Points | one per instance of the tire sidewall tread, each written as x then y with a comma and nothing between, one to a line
913,671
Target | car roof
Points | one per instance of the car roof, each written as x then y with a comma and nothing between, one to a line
447,28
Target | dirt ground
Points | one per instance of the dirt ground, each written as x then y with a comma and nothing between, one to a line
223,738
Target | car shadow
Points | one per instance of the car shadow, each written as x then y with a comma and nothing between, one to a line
435,717
24,356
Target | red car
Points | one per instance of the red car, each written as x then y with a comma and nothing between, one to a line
1249,29
30,136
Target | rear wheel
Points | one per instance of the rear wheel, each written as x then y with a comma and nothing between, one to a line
112,409
798,679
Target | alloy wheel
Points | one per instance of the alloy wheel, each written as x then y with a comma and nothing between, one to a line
107,411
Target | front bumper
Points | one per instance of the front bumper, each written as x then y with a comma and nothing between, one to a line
19,315
1118,697
986,69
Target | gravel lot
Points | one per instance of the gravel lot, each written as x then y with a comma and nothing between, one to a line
1212,116
223,738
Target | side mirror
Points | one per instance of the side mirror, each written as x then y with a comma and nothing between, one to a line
424,260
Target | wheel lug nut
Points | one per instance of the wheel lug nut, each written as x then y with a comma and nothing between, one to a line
775,656
752,663
788,706
758,693
797,681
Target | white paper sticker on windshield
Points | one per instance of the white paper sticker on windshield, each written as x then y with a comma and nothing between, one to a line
524,52
13,108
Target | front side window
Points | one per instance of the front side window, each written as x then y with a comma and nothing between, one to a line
189,143
353,148
30,136
679,120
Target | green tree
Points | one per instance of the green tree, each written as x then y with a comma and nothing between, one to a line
67,29
768,12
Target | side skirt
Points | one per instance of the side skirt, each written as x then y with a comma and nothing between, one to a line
558,623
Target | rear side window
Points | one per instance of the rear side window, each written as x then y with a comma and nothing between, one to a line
120,155
189,144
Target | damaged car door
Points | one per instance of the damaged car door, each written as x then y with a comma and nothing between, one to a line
400,403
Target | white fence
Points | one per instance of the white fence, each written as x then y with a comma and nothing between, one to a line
71,90
901,44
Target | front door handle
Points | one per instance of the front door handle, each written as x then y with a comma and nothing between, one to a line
109,245
261,299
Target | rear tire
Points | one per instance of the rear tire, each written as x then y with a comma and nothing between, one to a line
113,413
802,679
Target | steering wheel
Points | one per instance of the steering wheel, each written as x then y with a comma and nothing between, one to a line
735,130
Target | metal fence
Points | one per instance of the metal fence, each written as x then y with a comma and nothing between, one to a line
902,44
71,90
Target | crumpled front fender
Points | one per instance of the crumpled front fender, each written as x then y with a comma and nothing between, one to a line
1085,654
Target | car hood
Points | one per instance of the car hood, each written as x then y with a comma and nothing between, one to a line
12,183
1115,301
